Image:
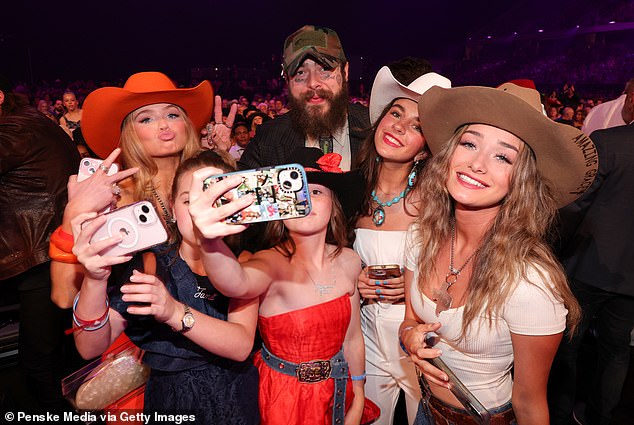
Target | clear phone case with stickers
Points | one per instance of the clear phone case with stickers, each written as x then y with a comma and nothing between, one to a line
280,192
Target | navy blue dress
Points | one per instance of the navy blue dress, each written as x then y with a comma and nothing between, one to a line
187,379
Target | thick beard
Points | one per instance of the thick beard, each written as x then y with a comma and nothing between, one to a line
311,121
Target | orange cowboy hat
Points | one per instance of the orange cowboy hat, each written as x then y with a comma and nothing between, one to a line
106,108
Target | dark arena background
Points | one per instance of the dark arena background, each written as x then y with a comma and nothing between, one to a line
88,44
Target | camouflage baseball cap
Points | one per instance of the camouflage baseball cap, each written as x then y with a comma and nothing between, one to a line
320,43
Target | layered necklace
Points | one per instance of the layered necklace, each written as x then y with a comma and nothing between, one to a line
441,296
169,219
321,288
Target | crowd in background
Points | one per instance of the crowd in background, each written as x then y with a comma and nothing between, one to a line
256,104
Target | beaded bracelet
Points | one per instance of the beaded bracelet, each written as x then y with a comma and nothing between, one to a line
89,325
358,377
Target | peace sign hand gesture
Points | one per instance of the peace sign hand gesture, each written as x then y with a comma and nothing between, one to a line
217,135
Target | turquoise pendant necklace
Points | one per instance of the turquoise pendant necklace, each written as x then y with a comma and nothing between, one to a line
378,215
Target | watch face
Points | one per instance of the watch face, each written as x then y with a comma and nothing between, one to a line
188,321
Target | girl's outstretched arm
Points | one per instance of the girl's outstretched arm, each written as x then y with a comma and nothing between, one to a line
235,280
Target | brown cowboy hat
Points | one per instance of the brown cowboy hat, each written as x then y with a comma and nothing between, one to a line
105,108
565,156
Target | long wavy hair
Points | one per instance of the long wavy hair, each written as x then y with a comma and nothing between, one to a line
133,154
278,236
515,243
370,163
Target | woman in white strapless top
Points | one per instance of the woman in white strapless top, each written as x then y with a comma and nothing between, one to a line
387,159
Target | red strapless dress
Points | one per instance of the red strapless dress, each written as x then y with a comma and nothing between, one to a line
312,333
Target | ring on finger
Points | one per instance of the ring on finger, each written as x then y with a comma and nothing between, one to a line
116,190
378,291
103,168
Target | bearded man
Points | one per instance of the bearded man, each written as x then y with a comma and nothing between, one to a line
316,72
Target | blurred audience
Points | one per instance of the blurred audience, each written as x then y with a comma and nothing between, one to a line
567,116
44,107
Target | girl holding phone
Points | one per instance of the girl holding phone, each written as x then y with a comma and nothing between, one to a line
196,341
312,358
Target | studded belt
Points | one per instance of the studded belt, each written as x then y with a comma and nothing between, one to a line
316,371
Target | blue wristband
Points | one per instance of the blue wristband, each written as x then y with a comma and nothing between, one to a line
358,377
403,347
400,341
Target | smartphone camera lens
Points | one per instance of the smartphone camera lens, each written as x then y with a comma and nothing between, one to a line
86,163
142,218
287,185
294,175
145,209
91,170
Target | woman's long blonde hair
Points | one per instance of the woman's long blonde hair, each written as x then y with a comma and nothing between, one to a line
515,242
133,154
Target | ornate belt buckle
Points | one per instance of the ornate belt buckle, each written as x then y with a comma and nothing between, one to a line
315,371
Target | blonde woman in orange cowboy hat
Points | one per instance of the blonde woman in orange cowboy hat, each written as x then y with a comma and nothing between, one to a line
483,291
153,126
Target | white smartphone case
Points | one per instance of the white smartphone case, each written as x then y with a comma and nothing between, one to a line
140,225
88,166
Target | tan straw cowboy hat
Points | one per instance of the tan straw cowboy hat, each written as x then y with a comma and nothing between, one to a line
565,156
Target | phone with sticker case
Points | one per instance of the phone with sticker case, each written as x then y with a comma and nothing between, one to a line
281,192
139,224
88,166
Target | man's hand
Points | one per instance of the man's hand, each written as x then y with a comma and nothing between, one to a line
217,134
